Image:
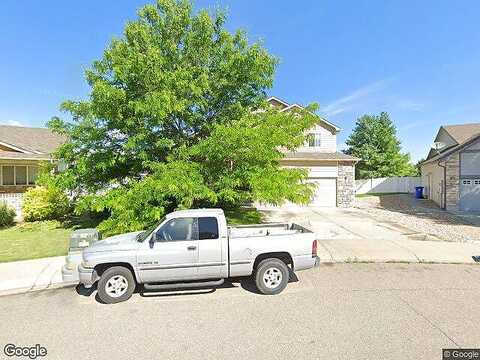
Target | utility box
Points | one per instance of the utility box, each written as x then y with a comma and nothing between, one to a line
79,240
82,238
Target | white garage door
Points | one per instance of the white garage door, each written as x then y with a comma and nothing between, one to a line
325,192
470,194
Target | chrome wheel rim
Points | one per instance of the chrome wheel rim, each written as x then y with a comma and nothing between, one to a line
272,277
116,286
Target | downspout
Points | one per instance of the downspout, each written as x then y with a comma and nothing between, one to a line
444,207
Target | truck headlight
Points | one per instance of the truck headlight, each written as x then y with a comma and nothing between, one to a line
71,266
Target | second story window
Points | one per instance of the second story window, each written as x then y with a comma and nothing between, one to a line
314,140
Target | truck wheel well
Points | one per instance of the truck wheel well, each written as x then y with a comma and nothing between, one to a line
100,268
284,256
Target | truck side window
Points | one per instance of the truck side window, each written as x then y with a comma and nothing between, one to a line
207,228
179,229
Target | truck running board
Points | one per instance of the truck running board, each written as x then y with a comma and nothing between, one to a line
188,285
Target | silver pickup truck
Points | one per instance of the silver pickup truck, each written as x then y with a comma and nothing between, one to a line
193,249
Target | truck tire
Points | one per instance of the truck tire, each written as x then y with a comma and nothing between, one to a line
116,284
271,276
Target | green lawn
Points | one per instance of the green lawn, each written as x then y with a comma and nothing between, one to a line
33,240
243,216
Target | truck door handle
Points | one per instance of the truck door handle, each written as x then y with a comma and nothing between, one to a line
191,248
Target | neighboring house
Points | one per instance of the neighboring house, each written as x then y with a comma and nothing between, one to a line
451,172
333,172
21,151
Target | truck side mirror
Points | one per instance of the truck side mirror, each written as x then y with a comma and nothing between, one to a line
158,236
151,242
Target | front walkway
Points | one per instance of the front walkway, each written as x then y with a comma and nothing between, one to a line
351,235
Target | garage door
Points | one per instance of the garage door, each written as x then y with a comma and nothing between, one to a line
470,194
325,192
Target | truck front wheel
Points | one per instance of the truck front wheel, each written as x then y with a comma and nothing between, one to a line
271,276
116,284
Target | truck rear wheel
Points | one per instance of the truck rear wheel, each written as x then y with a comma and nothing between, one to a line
116,284
271,276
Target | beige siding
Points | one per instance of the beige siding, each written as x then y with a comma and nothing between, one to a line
328,140
432,180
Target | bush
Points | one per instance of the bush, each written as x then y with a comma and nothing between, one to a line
7,214
45,203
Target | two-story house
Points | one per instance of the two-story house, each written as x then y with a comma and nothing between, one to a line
333,172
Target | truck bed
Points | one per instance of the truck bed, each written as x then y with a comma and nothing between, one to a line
268,229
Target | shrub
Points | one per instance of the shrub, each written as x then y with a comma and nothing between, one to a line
7,214
45,203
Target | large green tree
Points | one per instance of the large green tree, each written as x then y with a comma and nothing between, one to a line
177,118
374,140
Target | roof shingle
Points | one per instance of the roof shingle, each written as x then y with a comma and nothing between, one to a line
463,132
33,140
11,155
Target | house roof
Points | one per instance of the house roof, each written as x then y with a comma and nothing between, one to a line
463,135
11,155
321,156
29,140
463,132
286,107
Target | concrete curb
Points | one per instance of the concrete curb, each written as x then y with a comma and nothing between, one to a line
383,261
24,290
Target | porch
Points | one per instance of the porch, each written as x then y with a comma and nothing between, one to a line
15,178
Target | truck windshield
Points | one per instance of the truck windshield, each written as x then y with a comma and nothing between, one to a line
144,234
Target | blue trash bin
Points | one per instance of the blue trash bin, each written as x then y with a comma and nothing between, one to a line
419,192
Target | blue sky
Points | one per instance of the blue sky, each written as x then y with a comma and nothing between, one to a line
417,60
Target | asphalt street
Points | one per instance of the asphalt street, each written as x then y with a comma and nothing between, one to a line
344,311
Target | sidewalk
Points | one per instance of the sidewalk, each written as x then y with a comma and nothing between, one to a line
31,275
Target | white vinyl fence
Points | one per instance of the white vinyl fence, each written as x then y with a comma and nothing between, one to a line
388,185
13,200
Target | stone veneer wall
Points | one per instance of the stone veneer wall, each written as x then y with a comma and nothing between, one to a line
345,184
452,186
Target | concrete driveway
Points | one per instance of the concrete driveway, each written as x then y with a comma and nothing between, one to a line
340,311
348,235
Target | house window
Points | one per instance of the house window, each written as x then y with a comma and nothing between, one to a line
18,174
314,140
8,175
32,174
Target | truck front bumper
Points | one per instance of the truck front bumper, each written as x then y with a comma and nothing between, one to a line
87,276
69,275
